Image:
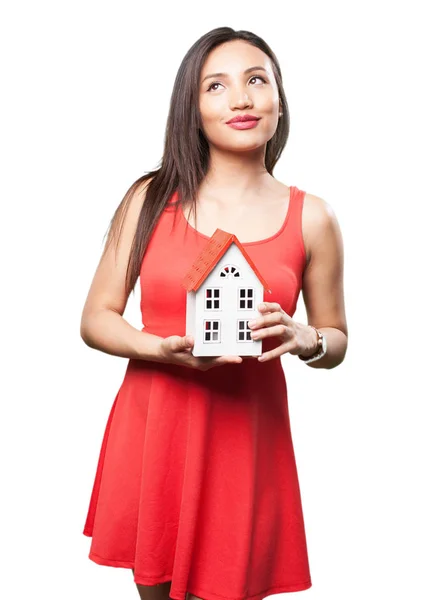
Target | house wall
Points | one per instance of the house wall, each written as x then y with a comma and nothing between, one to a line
228,313
190,321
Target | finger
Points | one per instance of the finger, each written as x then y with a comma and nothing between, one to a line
223,360
269,306
275,353
273,318
181,344
273,330
231,359
207,362
188,341
212,363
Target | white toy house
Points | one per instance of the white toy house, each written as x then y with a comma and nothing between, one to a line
224,288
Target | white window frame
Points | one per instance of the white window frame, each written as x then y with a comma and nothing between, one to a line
243,329
246,299
212,298
212,330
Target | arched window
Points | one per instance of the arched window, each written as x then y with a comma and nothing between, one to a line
229,270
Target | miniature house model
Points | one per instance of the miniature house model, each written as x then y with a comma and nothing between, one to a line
224,289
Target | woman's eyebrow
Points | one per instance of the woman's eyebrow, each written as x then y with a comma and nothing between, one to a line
257,68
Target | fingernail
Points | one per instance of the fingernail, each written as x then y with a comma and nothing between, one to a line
252,323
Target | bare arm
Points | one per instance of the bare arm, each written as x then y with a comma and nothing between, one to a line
323,280
102,324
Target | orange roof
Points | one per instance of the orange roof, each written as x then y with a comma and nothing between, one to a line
215,248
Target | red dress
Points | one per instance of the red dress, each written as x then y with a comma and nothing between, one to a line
196,481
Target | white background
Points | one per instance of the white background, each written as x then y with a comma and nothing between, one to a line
86,88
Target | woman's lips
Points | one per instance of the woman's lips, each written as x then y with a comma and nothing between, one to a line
244,124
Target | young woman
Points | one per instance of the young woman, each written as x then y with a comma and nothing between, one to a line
196,487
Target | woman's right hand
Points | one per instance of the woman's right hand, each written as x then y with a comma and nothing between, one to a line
177,350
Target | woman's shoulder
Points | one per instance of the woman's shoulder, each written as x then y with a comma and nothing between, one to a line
318,219
318,210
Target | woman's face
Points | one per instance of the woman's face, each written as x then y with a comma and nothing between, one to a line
233,92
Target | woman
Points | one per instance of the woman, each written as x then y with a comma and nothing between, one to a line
196,488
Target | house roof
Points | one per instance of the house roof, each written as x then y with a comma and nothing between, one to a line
215,248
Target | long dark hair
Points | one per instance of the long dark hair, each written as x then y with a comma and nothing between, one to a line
185,158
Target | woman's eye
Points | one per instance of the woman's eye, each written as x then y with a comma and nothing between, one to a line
254,77
258,77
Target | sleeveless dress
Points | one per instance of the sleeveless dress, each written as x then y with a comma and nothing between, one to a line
196,481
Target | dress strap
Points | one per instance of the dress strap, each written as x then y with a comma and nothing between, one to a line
294,228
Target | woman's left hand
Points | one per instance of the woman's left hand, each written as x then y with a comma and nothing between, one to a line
275,322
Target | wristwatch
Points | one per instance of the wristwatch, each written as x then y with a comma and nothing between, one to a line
320,350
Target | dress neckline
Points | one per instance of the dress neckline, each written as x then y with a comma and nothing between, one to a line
263,241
